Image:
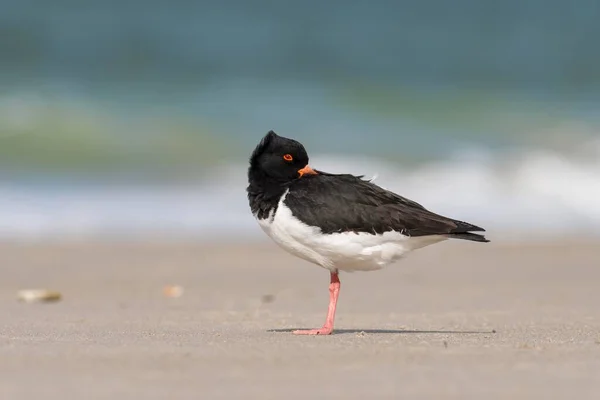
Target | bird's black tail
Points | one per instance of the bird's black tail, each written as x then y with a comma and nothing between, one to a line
468,236
464,231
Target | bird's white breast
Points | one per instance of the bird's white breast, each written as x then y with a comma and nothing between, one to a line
346,251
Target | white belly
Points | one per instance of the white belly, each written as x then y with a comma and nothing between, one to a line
346,251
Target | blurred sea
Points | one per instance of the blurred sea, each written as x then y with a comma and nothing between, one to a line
134,119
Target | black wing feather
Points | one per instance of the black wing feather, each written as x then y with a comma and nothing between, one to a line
342,203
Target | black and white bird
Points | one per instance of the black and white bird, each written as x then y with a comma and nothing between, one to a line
340,222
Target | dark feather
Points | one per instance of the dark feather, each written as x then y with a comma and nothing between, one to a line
347,203
264,143
469,236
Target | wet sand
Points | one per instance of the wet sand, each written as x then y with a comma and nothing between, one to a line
456,320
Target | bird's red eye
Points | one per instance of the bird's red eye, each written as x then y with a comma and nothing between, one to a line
288,157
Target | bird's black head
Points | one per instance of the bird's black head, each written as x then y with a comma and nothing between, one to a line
279,160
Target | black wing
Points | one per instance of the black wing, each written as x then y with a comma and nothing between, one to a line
347,203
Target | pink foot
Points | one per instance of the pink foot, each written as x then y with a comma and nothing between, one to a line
322,331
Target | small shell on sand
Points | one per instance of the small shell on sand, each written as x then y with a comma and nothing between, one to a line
173,291
38,295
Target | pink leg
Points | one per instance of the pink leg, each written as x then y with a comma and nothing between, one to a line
334,292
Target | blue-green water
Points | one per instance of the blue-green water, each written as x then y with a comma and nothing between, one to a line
482,110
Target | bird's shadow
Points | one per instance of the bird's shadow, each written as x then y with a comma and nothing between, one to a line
392,331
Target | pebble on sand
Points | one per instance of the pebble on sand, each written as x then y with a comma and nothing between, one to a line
173,291
267,298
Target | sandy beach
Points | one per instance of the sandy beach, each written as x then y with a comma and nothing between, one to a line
452,321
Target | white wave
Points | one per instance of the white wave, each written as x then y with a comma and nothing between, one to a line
529,195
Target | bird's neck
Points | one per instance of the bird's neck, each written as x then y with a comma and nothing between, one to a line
264,192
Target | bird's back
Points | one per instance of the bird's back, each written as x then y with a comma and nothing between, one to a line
339,203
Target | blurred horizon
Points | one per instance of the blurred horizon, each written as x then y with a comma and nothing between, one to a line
138,117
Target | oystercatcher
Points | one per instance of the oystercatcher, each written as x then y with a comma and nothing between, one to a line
340,222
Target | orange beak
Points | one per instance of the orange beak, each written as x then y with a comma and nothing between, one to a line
307,171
